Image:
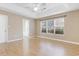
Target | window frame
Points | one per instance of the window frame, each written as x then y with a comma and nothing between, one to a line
63,25
41,27
53,25
48,28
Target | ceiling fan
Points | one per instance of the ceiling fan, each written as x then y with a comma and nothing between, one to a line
38,7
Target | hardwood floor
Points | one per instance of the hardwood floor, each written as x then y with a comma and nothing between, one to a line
38,47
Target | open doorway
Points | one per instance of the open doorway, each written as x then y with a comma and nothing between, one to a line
25,28
25,35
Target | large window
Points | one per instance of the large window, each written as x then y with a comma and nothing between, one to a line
59,26
54,26
43,27
50,25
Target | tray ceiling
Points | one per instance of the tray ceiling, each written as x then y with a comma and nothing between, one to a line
36,10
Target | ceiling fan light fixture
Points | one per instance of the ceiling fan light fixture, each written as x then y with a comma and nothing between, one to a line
35,8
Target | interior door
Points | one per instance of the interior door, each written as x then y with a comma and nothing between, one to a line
3,28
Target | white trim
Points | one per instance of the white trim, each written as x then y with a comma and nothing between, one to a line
76,43
14,40
30,37
2,42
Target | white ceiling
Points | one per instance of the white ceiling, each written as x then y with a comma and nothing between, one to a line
44,9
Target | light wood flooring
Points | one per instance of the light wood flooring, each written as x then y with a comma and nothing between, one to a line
38,47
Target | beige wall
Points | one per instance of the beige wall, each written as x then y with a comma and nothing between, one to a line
32,28
71,30
15,26
72,26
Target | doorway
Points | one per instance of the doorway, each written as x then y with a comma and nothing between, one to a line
25,28
3,28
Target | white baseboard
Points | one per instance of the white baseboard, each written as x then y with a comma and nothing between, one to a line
76,43
31,37
13,40
2,42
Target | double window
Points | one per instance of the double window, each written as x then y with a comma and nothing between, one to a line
53,26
